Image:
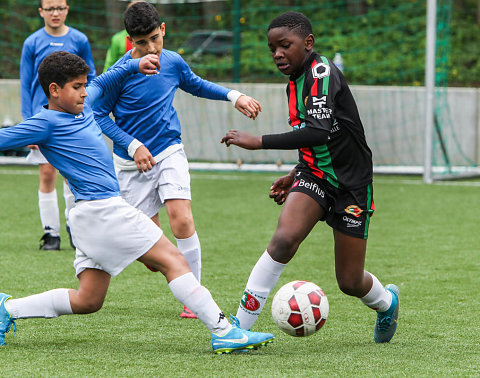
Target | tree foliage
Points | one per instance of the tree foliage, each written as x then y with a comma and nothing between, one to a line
382,42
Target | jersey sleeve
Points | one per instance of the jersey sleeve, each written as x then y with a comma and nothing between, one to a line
26,78
321,86
85,52
30,131
103,93
195,85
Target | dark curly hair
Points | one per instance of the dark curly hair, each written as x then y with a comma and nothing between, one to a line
295,21
141,18
60,67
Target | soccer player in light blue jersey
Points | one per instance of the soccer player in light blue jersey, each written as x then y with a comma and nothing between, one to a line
149,158
108,232
55,36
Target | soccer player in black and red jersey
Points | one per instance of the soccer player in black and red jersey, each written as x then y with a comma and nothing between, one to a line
332,181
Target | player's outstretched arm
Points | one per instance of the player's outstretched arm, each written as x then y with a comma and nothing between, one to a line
242,139
248,106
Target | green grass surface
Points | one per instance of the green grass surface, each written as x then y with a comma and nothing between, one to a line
422,238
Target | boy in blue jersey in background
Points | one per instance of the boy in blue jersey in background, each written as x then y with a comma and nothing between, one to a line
149,159
108,232
55,36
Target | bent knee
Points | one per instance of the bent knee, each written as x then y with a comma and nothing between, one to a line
351,287
88,306
182,226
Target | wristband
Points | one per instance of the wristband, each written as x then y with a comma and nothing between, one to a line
133,146
234,95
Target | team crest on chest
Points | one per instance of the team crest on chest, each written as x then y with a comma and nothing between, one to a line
320,70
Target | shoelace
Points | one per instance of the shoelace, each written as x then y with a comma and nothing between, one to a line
384,323
235,321
10,326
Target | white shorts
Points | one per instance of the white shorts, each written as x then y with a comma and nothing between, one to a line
36,157
148,191
110,234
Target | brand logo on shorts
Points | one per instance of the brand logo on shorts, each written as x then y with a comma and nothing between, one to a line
311,186
352,222
353,210
250,302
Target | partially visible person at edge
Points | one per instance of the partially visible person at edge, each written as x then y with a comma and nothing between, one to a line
109,233
119,45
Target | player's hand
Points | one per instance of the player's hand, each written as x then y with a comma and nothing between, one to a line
248,106
33,146
143,159
280,187
242,139
149,65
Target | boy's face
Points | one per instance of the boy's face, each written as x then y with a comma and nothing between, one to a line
70,98
54,13
148,44
289,50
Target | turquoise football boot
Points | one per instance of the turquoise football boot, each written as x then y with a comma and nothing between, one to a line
386,323
238,339
6,320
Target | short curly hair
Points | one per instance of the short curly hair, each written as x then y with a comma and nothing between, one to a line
60,67
295,21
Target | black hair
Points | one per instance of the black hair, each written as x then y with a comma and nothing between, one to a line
141,18
60,67
295,21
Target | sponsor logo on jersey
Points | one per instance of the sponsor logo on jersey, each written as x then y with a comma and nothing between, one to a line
58,44
316,101
335,127
321,70
353,210
250,302
321,113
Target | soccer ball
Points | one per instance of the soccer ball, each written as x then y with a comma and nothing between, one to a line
300,308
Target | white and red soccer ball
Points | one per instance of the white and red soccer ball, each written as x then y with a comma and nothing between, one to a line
300,308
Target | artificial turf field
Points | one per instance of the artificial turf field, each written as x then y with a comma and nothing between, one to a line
424,238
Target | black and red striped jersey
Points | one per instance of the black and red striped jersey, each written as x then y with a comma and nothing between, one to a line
320,98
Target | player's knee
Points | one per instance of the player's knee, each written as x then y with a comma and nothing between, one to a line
89,306
350,286
283,247
182,226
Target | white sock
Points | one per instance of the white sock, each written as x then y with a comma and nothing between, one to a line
69,200
262,280
49,216
49,304
190,248
187,290
378,298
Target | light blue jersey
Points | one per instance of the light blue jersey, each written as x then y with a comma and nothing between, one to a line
143,107
73,143
36,48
